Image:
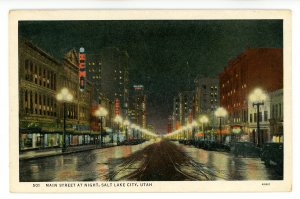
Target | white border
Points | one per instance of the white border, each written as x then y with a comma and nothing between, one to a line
163,186
293,5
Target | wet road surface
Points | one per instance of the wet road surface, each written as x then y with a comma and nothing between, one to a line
150,161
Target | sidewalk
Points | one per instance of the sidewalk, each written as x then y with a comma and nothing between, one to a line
28,155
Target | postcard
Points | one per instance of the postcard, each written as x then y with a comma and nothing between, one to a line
150,101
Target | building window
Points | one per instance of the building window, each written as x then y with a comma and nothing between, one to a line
255,117
279,110
265,116
36,104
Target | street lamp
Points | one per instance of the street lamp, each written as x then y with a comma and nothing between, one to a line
203,120
118,120
64,96
126,124
138,129
257,97
194,125
220,113
133,127
101,113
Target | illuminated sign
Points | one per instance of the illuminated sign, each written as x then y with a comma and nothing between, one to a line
82,72
138,87
117,107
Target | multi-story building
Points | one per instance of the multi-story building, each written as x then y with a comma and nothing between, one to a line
78,111
264,125
114,76
276,116
206,94
41,77
108,71
177,112
207,98
170,126
254,68
38,108
94,63
139,101
183,105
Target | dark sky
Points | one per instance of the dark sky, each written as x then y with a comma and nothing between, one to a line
159,50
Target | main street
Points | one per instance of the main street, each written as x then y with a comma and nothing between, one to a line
154,160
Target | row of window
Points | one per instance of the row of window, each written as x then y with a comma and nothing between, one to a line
276,111
212,88
35,103
253,117
39,75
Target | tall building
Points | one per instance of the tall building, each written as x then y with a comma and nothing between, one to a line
94,63
183,105
177,112
207,98
41,77
139,101
108,71
206,94
254,68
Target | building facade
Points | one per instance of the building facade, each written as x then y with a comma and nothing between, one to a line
183,106
108,71
38,108
139,106
207,98
206,94
276,116
264,117
254,68
41,77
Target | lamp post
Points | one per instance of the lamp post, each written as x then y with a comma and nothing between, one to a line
126,124
203,120
133,127
64,96
257,97
118,120
138,129
220,113
101,113
194,125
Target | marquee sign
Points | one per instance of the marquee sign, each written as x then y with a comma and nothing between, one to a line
117,107
82,72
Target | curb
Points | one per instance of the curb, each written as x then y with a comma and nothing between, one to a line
60,153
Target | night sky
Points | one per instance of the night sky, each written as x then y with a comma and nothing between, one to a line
163,54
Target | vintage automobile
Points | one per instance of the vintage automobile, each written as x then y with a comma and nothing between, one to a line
272,155
245,149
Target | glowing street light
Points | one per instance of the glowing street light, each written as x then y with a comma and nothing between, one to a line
118,120
220,113
194,124
257,98
203,120
101,113
126,124
64,96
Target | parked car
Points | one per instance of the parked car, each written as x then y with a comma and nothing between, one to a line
245,149
272,155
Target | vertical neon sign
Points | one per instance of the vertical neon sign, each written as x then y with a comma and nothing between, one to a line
82,72
117,106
